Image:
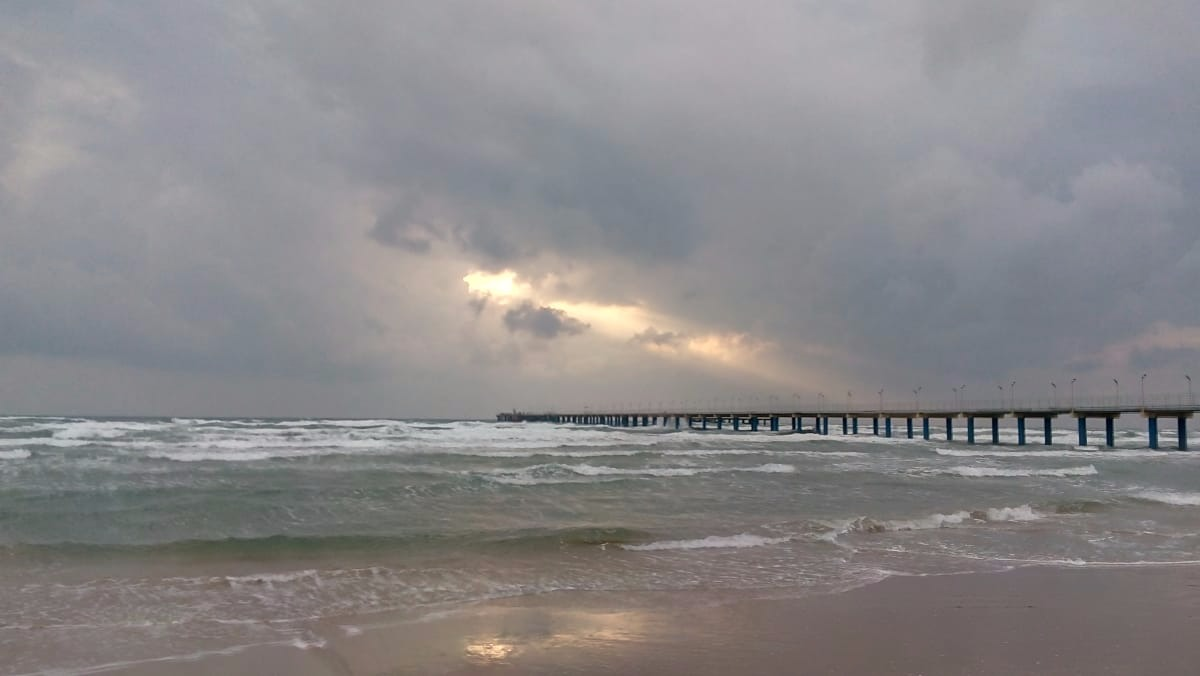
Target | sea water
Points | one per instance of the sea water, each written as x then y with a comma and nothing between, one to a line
137,540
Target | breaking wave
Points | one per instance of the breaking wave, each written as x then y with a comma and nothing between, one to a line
979,472
711,542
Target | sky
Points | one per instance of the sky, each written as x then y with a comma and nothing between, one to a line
452,208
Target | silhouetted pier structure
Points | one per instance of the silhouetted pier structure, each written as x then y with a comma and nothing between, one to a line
816,421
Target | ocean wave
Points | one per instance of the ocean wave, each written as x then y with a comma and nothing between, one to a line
549,472
15,454
1094,454
713,541
1175,498
991,472
863,524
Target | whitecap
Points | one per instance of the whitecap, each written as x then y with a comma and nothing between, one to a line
1170,498
15,454
992,472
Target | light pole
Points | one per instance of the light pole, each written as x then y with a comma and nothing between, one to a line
1189,379
962,392
917,399
956,404
1001,388
1143,390
1053,394
881,400
1073,393
849,401
1012,394
1117,384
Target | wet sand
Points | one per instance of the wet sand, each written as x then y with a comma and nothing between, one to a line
1129,620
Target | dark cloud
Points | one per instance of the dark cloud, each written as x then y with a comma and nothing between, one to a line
542,322
652,336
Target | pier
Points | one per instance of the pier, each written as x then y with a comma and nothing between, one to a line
1031,415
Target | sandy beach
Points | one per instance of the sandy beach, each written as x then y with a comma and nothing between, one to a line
1129,620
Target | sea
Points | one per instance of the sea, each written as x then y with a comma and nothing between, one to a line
145,540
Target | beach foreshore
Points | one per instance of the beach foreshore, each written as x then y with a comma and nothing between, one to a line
1037,620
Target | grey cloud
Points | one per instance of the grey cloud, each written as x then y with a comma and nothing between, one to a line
943,190
542,322
652,336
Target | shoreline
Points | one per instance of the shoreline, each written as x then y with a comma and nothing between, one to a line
1034,619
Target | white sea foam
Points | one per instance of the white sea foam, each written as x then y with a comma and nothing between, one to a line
308,643
1094,454
1022,513
1170,498
713,541
15,454
538,473
976,472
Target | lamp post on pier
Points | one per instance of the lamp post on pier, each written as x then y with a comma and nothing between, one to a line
1012,395
881,400
917,399
1073,393
1053,395
1143,390
1117,385
1189,379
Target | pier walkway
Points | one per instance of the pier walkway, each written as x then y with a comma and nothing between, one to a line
816,420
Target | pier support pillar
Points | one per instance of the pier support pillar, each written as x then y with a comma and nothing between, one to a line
1152,423
910,434
774,423
737,423
720,422
1182,429
704,422
970,430
676,422
887,427
925,428
854,420
995,431
949,429
1108,432
824,423
753,423
1020,430
1048,430
875,425
844,425
1082,422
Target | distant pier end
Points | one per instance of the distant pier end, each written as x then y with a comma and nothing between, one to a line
1152,408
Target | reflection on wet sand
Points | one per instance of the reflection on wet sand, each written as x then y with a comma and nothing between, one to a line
536,630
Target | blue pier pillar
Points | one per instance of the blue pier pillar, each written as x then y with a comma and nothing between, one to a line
1048,428
1152,423
887,427
704,422
676,422
995,430
1108,432
754,423
795,424
910,428
855,426
875,425
1020,430
970,430
925,428
774,423
845,425
1182,433
825,425
949,429
1082,431
720,422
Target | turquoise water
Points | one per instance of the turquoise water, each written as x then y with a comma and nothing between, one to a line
135,539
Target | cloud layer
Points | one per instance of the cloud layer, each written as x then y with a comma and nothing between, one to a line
448,208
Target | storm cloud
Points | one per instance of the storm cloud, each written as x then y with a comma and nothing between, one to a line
387,208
